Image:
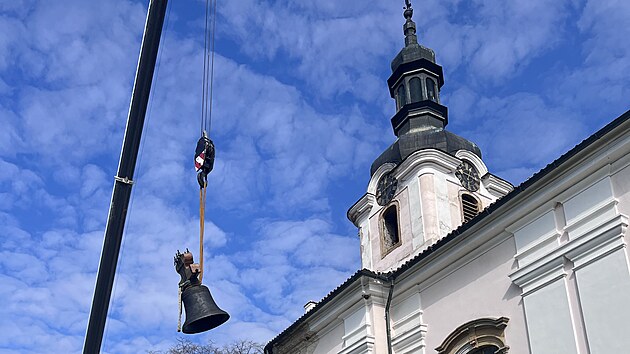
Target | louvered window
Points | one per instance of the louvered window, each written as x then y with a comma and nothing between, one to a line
401,96
470,206
415,89
431,90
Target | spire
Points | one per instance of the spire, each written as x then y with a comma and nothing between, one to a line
412,50
420,118
410,27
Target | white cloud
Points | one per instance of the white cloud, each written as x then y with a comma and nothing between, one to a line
335,44
10,138
601,81
285,250
505,127
62,56
494,40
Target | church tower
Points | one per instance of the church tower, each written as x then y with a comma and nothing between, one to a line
429,181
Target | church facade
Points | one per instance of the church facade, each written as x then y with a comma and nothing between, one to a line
455,260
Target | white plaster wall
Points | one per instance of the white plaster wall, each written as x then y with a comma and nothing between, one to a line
415,213
377,313
439,195
604,287
478,289
596,304
621,189
429,206
403,309
408,328
392,259
549,320
589,208
530,234
366,249
404,220
330,343
536,238
454,202
445,224
375,239
582,204
354,327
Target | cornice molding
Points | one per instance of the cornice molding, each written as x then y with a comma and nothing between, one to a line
434,158
412,341
481,167
496,186
596,244
363,346
361,209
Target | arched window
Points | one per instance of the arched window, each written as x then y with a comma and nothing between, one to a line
470,207
488,349
431,90
415,89
401,96
390,232
481,336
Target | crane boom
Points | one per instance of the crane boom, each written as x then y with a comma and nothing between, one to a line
124,178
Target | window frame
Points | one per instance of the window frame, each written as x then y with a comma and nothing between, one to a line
385,250
401,89
476,334
461,200
420,88
435,94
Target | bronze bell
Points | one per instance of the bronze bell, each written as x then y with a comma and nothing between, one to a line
202,313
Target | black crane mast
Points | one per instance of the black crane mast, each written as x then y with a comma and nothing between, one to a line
124,178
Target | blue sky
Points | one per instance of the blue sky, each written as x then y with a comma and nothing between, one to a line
301,111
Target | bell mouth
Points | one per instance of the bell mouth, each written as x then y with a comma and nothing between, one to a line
205,323
202,313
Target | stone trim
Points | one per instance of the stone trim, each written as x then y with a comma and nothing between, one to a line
411,341
364,346
475,334
385,250
474,160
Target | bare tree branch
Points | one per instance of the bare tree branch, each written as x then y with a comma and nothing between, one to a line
185,346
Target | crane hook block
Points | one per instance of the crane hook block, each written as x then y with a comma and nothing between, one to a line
204,159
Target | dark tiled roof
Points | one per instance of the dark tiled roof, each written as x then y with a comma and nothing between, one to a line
461,229
357,275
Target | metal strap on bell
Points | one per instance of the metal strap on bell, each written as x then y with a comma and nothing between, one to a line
202,313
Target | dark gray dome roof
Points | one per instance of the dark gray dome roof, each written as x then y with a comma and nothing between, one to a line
437,138
412,53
